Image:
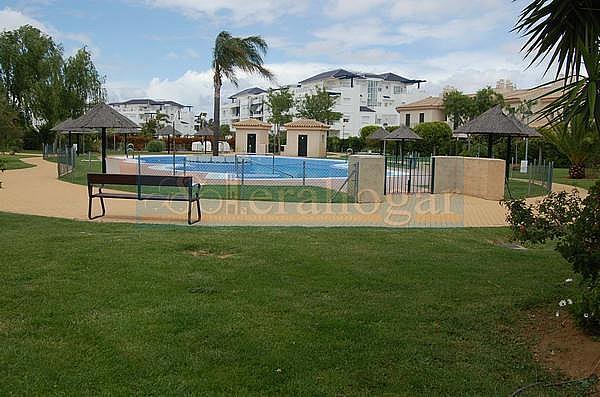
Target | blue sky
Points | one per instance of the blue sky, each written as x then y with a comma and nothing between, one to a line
161,48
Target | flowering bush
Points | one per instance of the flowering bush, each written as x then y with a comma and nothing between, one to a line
547,219
575,223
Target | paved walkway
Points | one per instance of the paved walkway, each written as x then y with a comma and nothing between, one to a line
37,191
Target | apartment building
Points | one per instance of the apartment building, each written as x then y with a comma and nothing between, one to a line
362,98
432,109
142,110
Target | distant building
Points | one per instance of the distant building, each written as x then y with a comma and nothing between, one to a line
362,98
142,110
432,109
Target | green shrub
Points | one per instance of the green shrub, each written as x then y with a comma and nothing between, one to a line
581,245
155,146
575,223
549,219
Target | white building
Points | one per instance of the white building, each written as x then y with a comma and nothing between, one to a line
362,98
142,110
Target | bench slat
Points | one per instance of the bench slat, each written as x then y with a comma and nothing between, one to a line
144,180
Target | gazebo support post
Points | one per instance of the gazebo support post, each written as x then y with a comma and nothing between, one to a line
508,155
70,139
104,150
490,153
125,140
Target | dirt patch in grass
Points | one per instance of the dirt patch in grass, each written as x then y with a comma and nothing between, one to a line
207,253
560,346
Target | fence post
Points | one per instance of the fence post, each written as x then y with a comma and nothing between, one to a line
273,164
304,173
432,174
184,165
139,177
385,177
242,172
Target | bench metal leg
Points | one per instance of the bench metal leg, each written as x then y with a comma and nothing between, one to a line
90,209
190,203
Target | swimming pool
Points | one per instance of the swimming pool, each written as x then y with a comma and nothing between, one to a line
251,167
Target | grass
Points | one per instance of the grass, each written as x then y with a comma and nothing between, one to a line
561,175
123,309
14,162
312,194
520,189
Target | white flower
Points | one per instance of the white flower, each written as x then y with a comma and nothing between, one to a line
557,314
562,303
569,301
586,315
569,280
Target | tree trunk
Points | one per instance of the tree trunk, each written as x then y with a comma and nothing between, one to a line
216,114
577,171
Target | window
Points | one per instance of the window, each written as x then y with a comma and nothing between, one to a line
397,89
347,120
407,122
371,93
421,117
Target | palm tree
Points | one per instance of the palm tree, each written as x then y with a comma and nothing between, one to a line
567,32
576,141
230,55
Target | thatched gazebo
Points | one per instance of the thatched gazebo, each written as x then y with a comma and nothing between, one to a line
379,135
66,127
399,135
103,117
495,124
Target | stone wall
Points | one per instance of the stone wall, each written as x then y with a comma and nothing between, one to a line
371,173
472,176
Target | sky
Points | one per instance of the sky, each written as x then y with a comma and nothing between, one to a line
162,48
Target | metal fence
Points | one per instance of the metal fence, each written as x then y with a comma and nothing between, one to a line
64,156
251,177
540,174
412,174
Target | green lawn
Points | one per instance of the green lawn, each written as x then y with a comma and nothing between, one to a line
521,189
125,309
14,161
311,194
561,175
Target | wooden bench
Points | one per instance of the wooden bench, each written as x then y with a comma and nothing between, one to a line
100,180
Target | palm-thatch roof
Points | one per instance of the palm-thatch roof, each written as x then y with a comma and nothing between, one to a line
66,126
168,130
402,133
494,122
103,116
379,134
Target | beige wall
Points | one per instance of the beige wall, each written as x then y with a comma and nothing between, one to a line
368,187
316,142
478,177
430,115
241,140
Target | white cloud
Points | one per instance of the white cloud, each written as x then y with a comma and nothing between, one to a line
238,11
11,19
347,8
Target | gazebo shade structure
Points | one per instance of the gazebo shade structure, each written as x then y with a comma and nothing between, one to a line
378,135
495,123
168,130
401,134
103,117
66,127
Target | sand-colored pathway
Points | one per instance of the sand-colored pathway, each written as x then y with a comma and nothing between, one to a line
37,191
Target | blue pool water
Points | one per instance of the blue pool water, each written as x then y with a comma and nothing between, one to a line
257,167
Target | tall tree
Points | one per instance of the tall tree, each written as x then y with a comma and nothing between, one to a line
567,34
485,99
437,138
82,84
319,106
231,54
280,102
458,107
30,71
10,130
